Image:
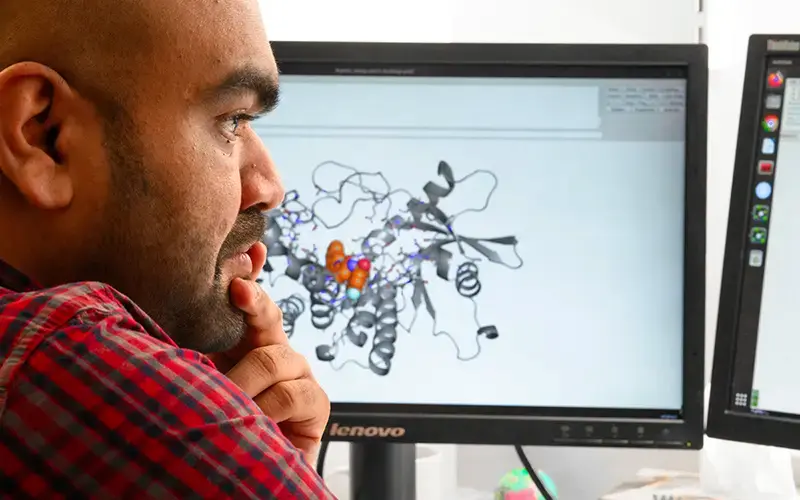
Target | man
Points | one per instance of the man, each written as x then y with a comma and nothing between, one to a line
131,192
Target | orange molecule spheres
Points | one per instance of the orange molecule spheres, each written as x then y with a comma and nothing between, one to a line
336,261
358,278
347,269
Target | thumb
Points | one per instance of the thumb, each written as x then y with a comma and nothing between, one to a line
263,317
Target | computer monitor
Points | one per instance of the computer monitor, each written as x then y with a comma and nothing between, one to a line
755,389
494,244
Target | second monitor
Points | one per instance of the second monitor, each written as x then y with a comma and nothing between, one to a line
754,393
497,244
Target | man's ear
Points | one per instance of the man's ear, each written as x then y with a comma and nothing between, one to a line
33,101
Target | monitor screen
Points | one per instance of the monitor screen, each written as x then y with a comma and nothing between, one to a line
765,370
459,239
754,392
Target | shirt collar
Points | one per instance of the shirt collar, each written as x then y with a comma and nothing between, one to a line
14,280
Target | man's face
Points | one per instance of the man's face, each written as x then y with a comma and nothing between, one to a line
188,177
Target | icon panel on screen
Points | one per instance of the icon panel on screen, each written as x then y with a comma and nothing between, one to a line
773,101
758,235
763,190
756,258
775,80
761,213
770,123
766,167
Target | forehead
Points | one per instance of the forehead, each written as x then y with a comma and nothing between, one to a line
199,43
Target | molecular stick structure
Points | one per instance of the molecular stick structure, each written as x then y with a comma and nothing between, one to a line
370,283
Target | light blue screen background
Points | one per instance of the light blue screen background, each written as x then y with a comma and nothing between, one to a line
590,180
776,367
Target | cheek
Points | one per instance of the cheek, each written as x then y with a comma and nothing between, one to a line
206,178
94,191
90,163
225,195
200,183
216,192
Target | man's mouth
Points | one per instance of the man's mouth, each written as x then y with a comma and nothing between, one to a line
241,252
241,262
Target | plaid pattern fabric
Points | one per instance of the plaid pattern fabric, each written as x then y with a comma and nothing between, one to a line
97,402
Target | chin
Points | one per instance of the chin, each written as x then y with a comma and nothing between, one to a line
208,324
229,336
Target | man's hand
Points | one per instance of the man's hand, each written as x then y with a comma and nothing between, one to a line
280,382
268,370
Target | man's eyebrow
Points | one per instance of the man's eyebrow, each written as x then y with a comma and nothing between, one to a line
246,81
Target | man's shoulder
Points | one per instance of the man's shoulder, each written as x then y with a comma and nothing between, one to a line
74,306
87,316
53,307
106,347
98,389
110,351
89,321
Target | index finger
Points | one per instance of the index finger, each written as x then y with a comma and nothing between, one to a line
263,317
258,256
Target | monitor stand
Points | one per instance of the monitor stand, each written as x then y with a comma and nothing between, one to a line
383,471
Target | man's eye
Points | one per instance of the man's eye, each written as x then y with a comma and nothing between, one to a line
233,124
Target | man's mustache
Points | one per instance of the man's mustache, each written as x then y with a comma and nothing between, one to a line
248,229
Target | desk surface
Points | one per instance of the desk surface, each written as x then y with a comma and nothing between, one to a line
664,484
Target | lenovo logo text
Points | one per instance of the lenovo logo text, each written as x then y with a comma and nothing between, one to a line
361,431
783,46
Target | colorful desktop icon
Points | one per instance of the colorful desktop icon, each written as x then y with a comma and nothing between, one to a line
756,258
758,235
775,80
768,146
518,485
766,167
761,213
773,101
763,190
754,399
770,123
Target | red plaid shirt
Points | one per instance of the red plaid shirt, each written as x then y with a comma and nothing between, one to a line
97,402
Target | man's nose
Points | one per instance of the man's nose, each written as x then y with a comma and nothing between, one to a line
261,183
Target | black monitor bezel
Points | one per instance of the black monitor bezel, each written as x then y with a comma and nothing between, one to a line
421,423
723,422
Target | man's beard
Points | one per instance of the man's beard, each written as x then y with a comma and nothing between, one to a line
210,323
149,255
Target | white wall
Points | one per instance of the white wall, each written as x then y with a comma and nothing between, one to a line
576,21
359,20
524,21
723,108
582,474
731,22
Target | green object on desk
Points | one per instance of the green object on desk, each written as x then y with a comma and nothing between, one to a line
518,485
